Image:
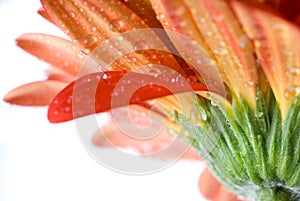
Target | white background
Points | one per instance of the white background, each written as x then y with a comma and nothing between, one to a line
43,161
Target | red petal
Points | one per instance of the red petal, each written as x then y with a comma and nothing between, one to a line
145,135
100,92
35,94
57,51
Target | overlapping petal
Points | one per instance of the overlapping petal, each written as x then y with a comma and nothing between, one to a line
146,144
278,53
89,23
35,94
222,38
59,52
99,92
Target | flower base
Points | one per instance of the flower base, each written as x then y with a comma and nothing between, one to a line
275,194
253,152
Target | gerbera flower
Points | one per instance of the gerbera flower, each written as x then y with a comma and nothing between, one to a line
249,128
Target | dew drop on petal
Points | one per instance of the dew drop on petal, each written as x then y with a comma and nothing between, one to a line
292,71
220,51
244,43
105,76
117,26
89,40
155,72
198,116
258,114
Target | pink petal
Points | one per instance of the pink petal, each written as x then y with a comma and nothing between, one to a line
59,52
145,135
35,94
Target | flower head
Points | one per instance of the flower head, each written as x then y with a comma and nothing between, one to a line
243,123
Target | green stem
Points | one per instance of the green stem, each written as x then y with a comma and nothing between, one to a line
275,194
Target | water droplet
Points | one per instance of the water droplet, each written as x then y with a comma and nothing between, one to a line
214,102
202,20
258,114
250,83
117,26
198,116
94,29
141,45
208,33
220,51
218,18
222,43
72,14
244,43
155,72
105,76
87,79
119,38
67,109
289,91
291,71
89,40
288,53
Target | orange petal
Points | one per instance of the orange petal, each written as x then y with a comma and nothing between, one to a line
211,189
213,25
44,14
119,134
208,185
35,94
91,22
277,44
144,10
59,75
59,52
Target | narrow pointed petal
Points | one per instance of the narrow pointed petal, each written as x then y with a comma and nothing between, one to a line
279,53
59,52
99,92
35,94
149,144
211,189
208,184
222,38
89,23
59,75
144,10
44,14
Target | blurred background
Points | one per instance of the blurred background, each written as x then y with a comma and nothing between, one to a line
43,161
